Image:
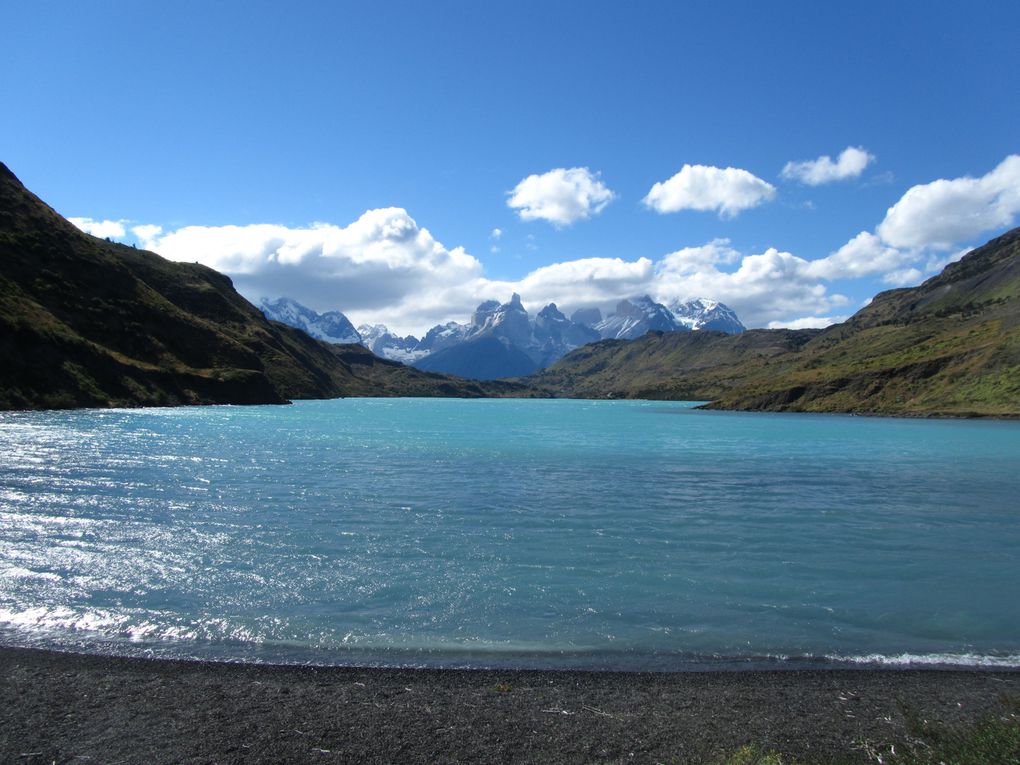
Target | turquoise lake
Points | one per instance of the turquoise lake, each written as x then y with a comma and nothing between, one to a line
539,533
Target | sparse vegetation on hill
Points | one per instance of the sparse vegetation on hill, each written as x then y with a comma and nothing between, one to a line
949,347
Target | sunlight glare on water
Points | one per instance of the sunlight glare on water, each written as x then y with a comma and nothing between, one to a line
628,535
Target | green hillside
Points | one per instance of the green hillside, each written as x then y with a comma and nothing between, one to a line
87,322
668,365
949,347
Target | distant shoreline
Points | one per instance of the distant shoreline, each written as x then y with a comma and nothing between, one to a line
63,706
707,406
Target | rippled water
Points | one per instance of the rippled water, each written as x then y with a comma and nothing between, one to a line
538,533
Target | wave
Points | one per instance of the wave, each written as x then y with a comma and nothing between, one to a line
110,633
947,660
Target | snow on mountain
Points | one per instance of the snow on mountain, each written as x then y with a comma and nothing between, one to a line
523,341
637,316
445,335
703,313
333,326
378,339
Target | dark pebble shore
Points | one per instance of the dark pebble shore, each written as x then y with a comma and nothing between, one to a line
73,708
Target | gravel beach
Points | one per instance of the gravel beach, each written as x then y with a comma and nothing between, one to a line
74,708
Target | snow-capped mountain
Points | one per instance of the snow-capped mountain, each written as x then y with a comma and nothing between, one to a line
637,316
501,339
703,313
378,339
445,335
332,326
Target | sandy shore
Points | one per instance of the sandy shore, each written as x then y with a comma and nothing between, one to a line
57,707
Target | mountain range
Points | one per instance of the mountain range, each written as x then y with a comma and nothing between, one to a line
86,322
502,340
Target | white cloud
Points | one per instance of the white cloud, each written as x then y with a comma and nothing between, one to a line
864,255
382,266
586,282
147,234
814,172
385,268
943,213
114,229
903,277
808,322
699,187
560,196
763,287
496,233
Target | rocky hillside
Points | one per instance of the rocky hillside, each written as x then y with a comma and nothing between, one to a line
87,322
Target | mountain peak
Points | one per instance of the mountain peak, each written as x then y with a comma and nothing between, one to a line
551,313
705,313
332,326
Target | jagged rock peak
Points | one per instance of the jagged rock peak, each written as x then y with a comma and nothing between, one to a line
704,313
551,313
483,312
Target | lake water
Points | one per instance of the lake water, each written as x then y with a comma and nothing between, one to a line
622,535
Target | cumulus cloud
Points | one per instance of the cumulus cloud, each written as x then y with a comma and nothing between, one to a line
147,234
496,233
560,196
385,268
587,282
814,172
764,287
383,259
864,255
943,213
726,190
903,277
808,322
114,229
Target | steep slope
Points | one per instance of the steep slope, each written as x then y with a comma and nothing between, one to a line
86,322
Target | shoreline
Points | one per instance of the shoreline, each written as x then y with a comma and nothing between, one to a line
65,707
707,406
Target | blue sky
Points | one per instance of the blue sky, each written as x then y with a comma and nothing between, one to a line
404,130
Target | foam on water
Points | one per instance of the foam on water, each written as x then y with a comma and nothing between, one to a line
511,533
